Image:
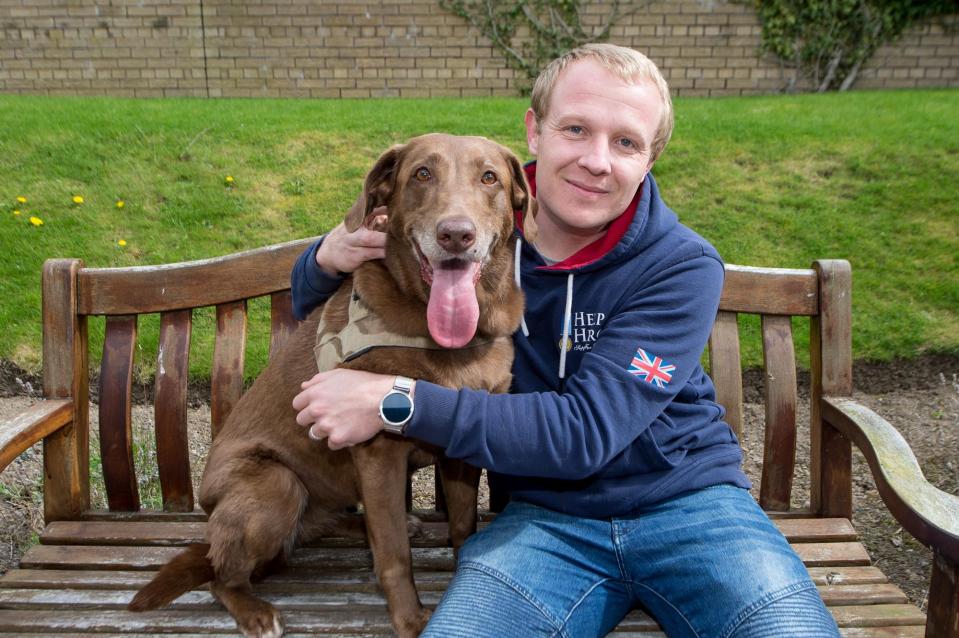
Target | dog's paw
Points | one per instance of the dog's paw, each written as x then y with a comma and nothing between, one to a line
262,622
414,526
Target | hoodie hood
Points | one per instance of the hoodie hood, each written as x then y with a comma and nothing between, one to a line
645,220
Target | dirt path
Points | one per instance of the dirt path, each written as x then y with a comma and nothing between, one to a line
920,398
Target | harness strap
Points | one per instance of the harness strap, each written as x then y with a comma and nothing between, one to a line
362,333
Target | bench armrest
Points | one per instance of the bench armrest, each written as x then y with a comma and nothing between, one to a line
926,512
25,429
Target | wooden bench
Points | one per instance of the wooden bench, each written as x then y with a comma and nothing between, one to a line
88,563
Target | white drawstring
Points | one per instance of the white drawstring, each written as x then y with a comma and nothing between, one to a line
519,249
566,321
567,313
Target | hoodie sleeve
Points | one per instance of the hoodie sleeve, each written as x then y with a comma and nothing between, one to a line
309,284
660,332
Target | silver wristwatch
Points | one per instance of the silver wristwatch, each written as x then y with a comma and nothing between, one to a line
396,408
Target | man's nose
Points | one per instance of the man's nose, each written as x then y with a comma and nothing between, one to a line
596,158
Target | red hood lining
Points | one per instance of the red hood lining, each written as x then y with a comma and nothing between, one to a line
594,251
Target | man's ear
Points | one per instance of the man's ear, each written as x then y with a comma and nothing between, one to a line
532,131
520,196
377,189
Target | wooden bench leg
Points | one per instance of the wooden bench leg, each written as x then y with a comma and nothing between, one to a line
943,613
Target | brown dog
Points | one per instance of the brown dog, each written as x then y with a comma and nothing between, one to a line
447,274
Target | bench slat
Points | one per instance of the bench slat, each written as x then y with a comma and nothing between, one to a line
288,580
779,454
198,515
198,599
725,368
282,322
226,384
874,594
851,575
878,615
822,554
138,557
770,291
116,433
910,631
317,580
205,282
168,621
371,621
287,596
433,533
144,558
216,621
170,409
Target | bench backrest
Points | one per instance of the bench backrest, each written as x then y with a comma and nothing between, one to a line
72,293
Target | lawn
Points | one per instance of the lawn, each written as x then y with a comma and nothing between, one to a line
872,177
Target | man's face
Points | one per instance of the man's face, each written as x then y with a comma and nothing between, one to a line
592,148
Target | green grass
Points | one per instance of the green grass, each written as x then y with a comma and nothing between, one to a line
776,181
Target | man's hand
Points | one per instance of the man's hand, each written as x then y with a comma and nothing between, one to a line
342,406
342,251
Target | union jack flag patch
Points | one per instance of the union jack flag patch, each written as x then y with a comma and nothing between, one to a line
651,369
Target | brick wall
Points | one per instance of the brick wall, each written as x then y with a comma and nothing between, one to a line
406,48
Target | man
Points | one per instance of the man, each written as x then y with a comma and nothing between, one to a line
625,483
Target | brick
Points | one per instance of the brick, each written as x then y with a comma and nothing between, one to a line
444,93
325,93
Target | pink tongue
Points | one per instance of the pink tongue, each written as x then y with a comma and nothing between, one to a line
453,313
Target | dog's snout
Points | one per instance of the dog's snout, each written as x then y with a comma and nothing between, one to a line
455,234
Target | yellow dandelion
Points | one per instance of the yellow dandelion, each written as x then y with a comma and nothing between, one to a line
122,243
77,199
228,179
21,199
36,221
17,213
120,203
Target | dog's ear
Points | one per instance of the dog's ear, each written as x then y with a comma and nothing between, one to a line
522,199
377,189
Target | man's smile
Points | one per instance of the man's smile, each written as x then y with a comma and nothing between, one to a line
586,188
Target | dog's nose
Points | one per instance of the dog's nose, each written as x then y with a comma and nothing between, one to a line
455,234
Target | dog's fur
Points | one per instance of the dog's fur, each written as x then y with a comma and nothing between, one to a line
267,486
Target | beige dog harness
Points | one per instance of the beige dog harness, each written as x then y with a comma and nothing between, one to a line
362,333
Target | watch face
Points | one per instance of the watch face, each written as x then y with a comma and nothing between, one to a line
396,407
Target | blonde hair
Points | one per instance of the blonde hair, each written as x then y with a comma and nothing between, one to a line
628,64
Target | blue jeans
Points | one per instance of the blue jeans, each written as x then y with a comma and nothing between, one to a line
708,564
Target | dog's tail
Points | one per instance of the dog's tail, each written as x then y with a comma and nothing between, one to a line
184,572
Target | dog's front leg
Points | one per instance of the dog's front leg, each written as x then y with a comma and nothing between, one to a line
460,486
381,465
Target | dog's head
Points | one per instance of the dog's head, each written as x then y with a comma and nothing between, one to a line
451,203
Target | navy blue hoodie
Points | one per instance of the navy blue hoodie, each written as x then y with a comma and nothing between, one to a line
626,417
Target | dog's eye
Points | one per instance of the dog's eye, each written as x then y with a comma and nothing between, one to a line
489,178
423,174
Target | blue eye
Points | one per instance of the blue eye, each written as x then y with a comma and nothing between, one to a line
575,130
628,143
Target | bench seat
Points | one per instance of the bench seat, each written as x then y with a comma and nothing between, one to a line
82,574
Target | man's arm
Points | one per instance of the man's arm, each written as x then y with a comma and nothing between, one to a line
320,270
311,285
604,408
